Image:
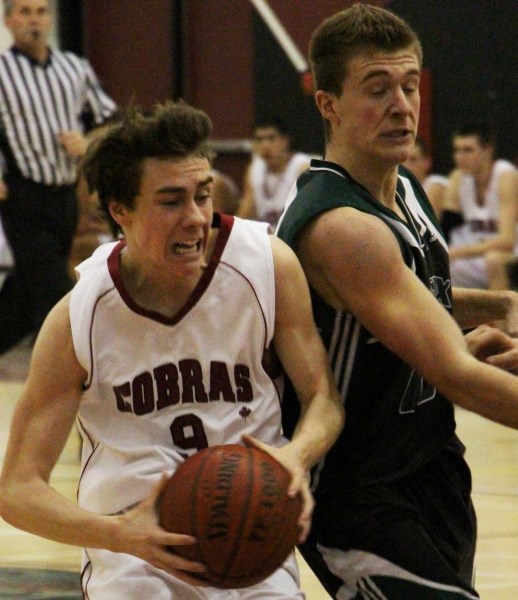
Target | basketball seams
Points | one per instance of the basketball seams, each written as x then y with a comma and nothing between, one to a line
195,505
233,499
250,463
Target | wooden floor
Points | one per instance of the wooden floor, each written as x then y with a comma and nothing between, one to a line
492,454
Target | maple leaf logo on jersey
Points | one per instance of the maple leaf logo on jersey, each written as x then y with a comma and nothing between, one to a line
245,412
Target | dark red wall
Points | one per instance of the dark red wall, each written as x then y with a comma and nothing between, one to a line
130,45
133,47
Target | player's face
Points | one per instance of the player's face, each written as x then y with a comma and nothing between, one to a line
468,153
168,228
270,145
29,23
377,114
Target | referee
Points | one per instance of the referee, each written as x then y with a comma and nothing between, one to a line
48,99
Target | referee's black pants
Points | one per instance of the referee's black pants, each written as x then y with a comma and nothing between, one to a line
39,222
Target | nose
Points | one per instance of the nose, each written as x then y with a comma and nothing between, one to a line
194,215
401,103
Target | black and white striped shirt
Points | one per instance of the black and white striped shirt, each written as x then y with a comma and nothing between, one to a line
37,102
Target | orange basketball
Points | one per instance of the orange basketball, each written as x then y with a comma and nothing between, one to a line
233,500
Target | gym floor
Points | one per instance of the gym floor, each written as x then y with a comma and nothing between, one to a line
492,454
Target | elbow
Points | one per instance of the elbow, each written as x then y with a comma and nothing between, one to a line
6,503
10,502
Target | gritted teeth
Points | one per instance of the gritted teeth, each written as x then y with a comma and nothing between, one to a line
186,247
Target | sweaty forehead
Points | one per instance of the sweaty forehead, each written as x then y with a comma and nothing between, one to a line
402,62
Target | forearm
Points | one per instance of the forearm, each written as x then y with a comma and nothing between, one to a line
492,393
472,307
496,243
36,507
319,425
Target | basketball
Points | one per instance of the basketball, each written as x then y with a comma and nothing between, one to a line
234,500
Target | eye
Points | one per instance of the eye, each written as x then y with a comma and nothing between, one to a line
377,90
412,85
171,201
203,197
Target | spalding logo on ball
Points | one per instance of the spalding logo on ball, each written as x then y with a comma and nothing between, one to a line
234,500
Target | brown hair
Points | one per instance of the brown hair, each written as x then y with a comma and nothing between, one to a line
351,32
113,163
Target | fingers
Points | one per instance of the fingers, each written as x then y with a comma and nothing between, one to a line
255,443
306,514
506,360
167,560
299,483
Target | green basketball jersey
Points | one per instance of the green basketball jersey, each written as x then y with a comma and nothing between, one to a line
395,420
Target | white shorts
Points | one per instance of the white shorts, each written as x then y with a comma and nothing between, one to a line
469,272
365,575
115,576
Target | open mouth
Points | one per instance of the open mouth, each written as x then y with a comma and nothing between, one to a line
184,248
398,133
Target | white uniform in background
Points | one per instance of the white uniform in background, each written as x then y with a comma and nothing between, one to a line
271,189
480,223
435,179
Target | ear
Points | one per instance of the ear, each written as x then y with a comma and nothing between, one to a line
325,102
118,211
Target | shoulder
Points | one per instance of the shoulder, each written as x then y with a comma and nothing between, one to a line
501,166
507,180
456,177
281,252
78,63
435,180
300,159
288,273
346,253
357,236
57,324
318,190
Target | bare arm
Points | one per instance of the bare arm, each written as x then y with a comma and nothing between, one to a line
451,193
435,192
472,307
247,205
305,360
363,271
303,356
41,424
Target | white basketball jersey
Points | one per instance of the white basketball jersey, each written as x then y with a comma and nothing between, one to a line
480,221
159,389
271,189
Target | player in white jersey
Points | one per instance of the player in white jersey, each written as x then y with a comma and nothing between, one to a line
160,350
484,191
271,174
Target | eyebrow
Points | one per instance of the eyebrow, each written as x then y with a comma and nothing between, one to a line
172,189
385,73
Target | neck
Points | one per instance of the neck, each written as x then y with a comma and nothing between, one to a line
38,52
379,180
483,176
279,164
